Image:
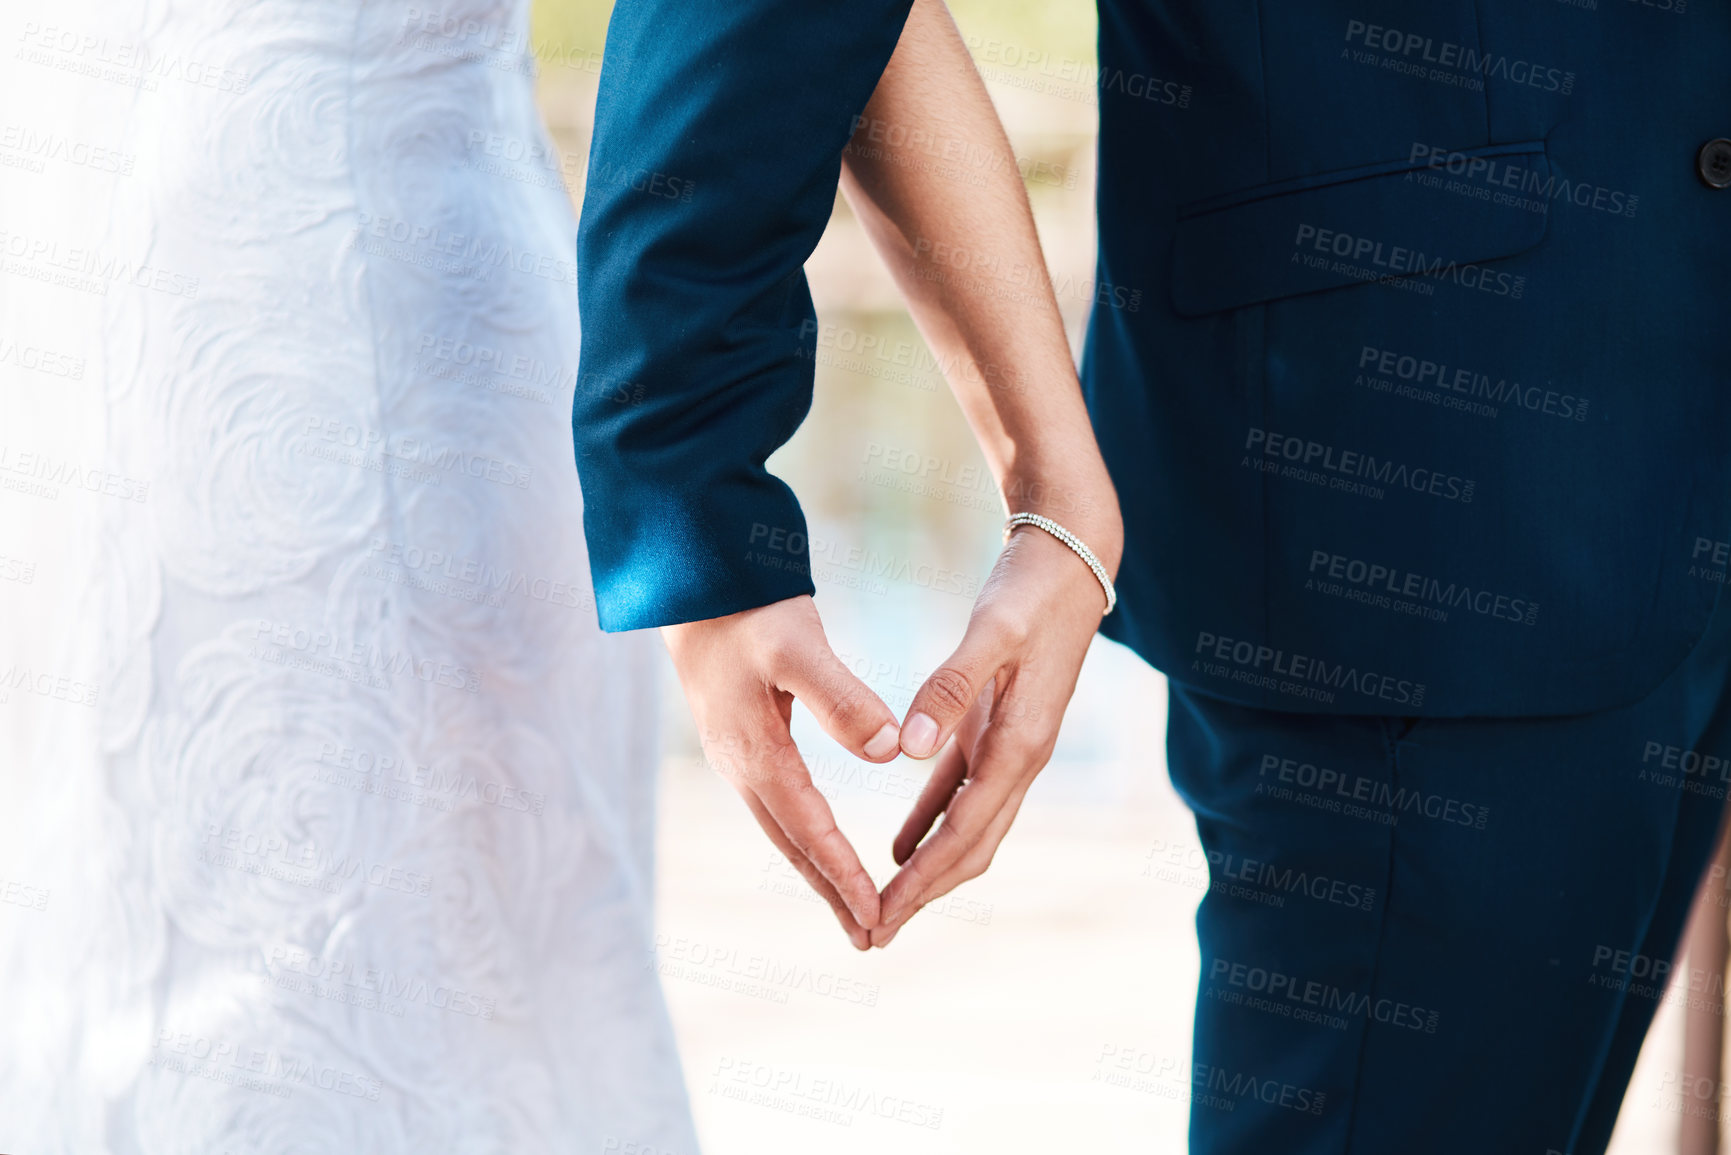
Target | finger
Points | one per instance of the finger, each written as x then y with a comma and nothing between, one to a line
922,891
786,792
970,813
1004,758
974,864
946,779
847,709
856,934
954,687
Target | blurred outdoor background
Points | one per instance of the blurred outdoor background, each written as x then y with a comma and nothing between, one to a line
1045,1007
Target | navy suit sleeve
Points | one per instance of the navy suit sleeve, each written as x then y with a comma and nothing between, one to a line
719,129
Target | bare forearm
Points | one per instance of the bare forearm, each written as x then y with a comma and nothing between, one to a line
932,177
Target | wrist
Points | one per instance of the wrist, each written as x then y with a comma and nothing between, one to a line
1082,501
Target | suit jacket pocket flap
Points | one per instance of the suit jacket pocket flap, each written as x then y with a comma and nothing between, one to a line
1343,228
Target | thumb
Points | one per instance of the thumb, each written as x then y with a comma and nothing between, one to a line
844,706
953,687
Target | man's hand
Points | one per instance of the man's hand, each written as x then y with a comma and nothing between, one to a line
741,674
992,711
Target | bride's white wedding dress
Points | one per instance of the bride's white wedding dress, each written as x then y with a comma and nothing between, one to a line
324,805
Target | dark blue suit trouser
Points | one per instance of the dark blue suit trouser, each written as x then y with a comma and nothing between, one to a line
1443,935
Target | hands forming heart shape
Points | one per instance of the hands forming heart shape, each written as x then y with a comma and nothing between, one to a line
989,714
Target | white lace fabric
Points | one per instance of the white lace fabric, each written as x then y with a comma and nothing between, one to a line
325,807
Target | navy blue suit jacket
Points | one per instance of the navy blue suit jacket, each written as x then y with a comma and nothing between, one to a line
1407,356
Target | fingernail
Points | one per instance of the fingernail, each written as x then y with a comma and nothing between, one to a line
919,735
883,742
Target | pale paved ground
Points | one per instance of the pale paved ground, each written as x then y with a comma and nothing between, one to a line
997,1013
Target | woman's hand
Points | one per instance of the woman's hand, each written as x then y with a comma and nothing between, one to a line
992,711
990,316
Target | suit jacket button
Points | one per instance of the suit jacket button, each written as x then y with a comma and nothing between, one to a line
1713,162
